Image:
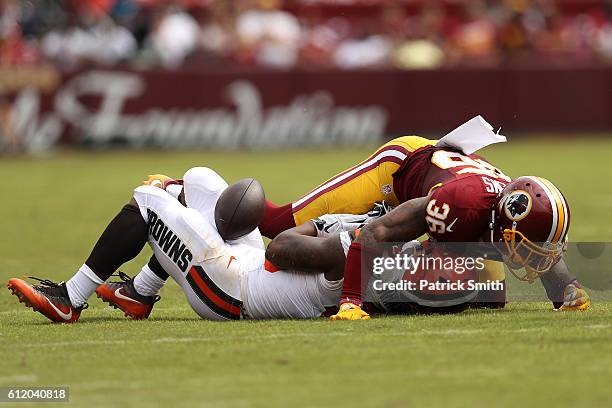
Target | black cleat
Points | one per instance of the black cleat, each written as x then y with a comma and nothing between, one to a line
122,295
49,298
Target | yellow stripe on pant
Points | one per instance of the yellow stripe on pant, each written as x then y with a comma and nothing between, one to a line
355,190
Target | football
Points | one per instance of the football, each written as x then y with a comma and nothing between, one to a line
239,209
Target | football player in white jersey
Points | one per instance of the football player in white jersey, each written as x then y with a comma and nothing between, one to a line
225,279
222,280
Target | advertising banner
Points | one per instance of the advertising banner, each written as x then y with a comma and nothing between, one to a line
275,109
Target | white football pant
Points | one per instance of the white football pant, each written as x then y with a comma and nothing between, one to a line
224,280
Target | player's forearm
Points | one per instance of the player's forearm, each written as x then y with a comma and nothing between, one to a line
555,281
404,223
285,252
292,250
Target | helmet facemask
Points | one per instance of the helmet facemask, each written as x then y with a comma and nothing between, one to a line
536,259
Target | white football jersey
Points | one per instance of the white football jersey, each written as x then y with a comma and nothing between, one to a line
289,294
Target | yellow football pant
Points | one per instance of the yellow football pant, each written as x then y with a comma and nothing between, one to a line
355,190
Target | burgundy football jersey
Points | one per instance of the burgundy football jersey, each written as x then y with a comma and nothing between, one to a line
463,191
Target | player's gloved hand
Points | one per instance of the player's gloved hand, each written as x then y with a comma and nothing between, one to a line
575,298
350,310
157,180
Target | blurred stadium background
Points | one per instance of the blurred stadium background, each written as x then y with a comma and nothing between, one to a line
272,73
95,94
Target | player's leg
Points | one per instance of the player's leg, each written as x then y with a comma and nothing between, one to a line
121,241
151,278
353,191
135,296
188,247
202,187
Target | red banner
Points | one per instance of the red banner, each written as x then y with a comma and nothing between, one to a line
284,109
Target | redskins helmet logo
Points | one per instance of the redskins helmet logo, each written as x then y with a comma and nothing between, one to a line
517,205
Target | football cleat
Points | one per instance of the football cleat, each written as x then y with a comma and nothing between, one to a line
123,296
49,298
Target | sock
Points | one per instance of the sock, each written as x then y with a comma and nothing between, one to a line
352,289
147,283
82,285
276,219
121,241
157,269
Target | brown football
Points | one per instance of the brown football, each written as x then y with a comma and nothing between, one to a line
240,209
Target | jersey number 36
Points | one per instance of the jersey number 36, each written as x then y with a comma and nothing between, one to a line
436,216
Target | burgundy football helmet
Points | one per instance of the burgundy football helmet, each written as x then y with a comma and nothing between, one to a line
530,225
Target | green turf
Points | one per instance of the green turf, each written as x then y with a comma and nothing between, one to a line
53,209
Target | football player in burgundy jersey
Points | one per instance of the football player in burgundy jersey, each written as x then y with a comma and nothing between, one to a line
451,196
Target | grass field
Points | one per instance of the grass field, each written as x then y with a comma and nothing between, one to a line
53,209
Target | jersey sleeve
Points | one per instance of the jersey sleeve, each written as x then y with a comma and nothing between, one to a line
459,211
